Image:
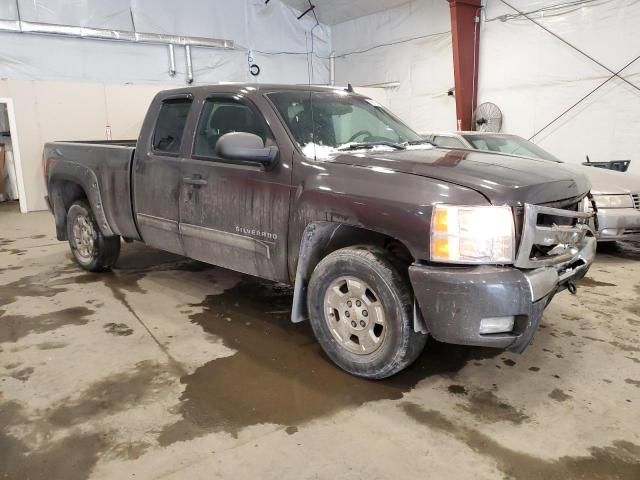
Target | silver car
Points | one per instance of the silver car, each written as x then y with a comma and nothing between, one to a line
616,194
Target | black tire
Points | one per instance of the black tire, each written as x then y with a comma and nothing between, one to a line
400,346
105,250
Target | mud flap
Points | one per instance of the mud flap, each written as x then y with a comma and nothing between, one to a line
419,325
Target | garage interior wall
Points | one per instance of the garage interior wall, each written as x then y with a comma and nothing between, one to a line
252,25
80,85
414,50
70,111
533,77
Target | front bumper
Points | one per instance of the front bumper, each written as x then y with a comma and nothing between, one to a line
453,301
618,224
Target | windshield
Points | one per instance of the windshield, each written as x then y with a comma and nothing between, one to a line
511,144
340,121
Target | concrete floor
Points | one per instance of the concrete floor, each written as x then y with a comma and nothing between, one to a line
168,368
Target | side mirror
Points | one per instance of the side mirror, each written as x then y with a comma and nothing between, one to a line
245,147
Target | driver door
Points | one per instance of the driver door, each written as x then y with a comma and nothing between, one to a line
232,214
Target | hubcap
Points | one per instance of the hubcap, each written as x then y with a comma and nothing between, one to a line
83,236
355,315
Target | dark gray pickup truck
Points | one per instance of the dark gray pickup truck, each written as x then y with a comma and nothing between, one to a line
385,238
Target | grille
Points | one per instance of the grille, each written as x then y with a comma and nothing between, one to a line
550,236
636,200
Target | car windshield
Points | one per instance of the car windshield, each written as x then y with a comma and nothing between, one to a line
511,144
324,123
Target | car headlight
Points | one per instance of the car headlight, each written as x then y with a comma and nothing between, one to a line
461,234
613,201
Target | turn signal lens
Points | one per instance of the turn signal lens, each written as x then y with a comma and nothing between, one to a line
461,234
440,221
441,247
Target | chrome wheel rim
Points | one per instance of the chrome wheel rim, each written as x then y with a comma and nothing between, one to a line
355,315
83,237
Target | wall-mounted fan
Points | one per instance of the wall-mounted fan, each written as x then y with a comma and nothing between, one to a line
487,118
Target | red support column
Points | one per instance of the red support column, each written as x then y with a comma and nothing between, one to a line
465,32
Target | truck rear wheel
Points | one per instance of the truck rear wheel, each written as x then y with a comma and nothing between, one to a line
90,248
360,309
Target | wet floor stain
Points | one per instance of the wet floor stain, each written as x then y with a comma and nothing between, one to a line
590,282
457,389
14,327
559,396
129,450
118,329
634,308
10,269
279,374
29,286
625,347
486,407
621,460
51,345
70,458
23,374
111,395
13,251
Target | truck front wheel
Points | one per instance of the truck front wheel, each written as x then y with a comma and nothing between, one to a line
90,248
360,309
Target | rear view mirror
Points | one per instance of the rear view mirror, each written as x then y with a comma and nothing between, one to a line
245,147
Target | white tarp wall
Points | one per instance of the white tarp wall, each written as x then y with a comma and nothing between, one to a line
414,49
533,77
72,88
251,24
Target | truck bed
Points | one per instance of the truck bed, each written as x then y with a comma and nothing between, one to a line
103,166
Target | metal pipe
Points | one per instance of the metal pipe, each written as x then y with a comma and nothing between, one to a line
332,68
187,54
172,61
38,28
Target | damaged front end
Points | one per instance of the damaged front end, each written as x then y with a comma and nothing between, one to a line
502,305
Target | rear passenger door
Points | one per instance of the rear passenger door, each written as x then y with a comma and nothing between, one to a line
157,174
235,214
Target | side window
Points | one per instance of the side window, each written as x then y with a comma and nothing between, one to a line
224,115
167,136
447,142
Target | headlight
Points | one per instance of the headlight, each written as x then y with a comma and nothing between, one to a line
613,201
472,234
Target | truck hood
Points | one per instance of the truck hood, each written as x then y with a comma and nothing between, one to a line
608,182
502,179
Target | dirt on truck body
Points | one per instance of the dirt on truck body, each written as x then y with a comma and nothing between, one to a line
385,238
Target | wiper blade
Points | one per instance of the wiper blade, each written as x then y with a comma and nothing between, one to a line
420,142
369,145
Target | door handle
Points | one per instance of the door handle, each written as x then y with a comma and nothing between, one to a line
194,180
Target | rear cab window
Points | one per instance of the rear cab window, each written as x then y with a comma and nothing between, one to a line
167,136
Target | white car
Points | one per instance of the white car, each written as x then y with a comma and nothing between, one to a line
616,194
